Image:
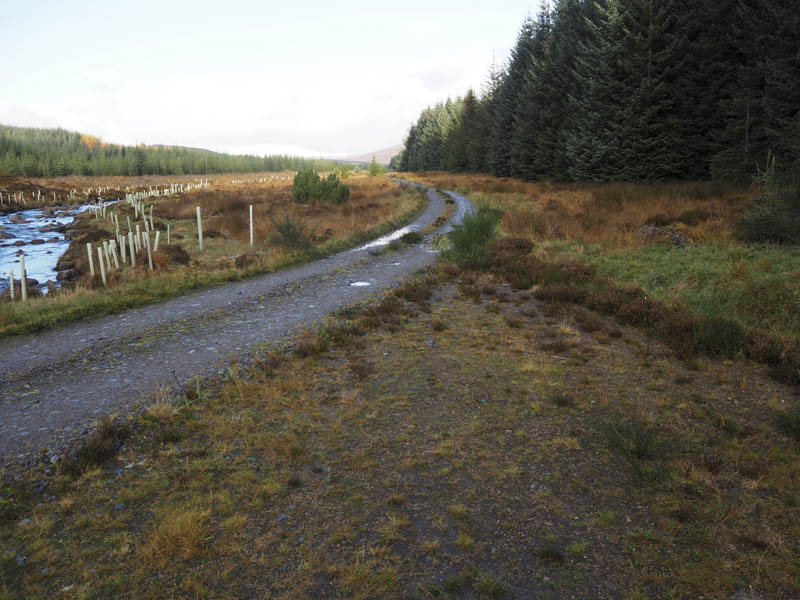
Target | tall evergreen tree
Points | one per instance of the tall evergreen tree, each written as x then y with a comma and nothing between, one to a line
556,83
762,99
533,112
593,143
507,97
650,126
463,142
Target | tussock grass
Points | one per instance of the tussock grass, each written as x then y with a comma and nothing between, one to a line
291,234
101,445
609,213
639,442
472,236
489,587
412,237
178,534
551,554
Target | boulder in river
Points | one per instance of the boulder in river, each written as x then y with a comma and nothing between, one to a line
36,242
32,290
18,220
53,239
18,243
68,275
4,235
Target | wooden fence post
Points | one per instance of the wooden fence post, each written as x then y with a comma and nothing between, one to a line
251,225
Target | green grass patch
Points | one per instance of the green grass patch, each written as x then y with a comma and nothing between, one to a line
470,239
757,285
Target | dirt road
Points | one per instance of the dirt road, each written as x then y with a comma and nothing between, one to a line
55,384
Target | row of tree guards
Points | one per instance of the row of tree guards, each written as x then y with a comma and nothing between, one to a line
23,282
136,242
38,198
200,228
116,253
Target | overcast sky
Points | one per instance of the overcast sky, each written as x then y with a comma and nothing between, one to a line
321,78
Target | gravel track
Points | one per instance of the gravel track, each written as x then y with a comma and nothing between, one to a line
53,385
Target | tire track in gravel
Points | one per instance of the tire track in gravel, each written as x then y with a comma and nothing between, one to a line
53,385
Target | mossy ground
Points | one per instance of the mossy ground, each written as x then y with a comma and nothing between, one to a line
450,440
758,284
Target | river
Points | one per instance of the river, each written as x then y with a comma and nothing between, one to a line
42,256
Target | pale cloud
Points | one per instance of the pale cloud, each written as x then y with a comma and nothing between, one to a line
442,77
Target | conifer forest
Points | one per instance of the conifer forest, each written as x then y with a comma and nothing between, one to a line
41,152
632,90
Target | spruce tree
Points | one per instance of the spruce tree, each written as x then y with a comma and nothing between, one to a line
761,103
463,140
533,112
507,98
593,144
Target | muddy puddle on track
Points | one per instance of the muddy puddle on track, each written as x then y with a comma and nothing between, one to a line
386,239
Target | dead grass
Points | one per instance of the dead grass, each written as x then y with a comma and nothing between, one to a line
573,241
609,213
179,533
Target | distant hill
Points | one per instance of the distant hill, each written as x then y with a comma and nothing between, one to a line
382,156
34,152
189,148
